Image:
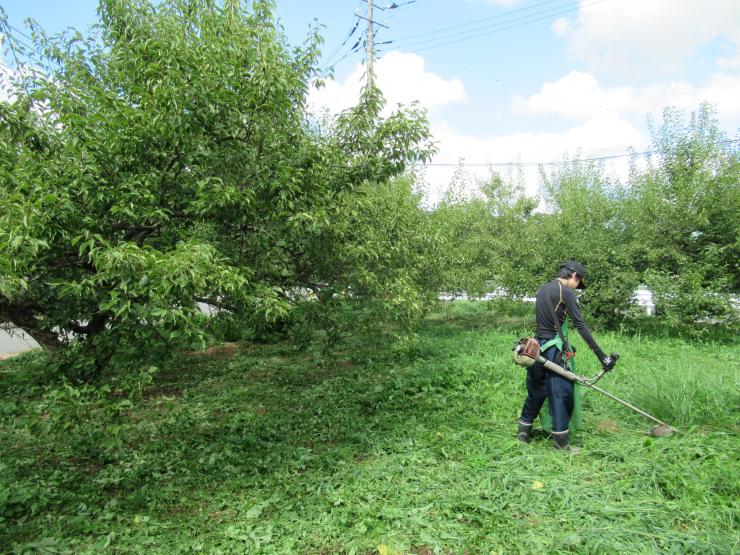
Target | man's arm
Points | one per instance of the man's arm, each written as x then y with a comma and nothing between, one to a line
571,305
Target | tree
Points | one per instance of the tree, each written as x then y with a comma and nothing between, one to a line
169,160
364,247
585,222
682,220
487,236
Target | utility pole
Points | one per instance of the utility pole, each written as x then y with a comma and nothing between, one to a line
370,44
370,40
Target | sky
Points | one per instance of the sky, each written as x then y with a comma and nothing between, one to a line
513,80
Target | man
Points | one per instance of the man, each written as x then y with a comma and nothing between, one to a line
555,300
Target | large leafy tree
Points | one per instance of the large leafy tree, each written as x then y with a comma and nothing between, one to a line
169,160
366,238
682,219
585,222
488,236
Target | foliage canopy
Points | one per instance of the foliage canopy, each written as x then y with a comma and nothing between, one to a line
169,160
673,226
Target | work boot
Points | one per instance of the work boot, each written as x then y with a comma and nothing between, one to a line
523,434
560,441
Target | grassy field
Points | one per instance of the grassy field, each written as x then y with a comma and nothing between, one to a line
407,448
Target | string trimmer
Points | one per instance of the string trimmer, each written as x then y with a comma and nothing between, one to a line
527,352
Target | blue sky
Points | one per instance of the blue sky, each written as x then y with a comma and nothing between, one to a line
568,77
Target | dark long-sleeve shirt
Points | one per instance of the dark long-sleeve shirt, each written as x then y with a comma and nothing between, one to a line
547,328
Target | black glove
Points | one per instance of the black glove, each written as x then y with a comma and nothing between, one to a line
610,361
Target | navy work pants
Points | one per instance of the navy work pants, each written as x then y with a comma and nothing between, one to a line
543,384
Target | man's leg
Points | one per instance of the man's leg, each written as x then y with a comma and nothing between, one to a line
536,395
560,395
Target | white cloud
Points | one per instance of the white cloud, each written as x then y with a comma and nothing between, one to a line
335,96
730,63
579,95
560,26
402,78
606,120
631,36
598,136
604,135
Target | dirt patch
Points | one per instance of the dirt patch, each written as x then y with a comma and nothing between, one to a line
607,426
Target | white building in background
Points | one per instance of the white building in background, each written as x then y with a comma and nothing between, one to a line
644,297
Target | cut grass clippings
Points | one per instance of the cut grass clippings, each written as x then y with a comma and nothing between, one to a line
408,448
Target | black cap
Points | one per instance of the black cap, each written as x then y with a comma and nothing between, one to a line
576,267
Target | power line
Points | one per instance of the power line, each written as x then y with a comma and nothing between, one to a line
552,163
16,40
24,54
366,34
16,55
21,33
344,41
549,14
579,6
357,46
549,11
478,21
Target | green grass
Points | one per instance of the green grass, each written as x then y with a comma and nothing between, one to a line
410,447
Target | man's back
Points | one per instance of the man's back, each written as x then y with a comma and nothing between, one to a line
555,297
